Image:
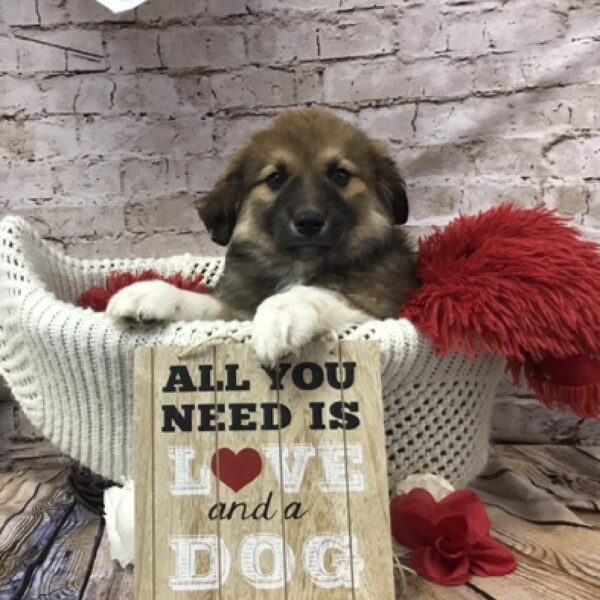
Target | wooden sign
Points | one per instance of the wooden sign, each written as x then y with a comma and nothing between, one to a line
254,482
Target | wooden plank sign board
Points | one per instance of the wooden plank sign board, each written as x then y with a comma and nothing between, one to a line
256,482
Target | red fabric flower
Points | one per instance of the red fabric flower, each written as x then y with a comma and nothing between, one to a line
450,539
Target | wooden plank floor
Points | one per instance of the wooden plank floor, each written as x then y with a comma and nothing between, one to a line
52,547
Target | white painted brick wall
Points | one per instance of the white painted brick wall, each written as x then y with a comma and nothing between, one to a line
112,126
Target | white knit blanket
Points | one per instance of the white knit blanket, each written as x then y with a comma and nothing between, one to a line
71,369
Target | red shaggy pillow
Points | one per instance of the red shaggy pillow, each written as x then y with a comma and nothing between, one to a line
521,283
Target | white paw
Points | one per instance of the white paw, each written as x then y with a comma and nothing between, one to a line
282,326
146,301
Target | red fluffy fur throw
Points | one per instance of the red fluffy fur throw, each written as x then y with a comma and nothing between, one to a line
521,283
97,297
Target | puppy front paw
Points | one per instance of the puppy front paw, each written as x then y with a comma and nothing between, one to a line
281,327
145,302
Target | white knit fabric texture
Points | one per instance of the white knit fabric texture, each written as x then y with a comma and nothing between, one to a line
71,369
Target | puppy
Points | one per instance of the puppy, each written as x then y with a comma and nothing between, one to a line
309,209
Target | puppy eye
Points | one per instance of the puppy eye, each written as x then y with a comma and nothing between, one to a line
340,177
276,180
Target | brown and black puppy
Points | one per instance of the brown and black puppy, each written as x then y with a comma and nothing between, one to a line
309,208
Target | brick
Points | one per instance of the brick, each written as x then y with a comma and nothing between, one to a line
58,12
194,93
356,34
390,78
76,40
20,12
18,95
148,93
214,47
253,87
203,172
80,63
394,123
132,49
195,134
309,85
9,59
226,46
33,57
433,163
227,8
59,50
75,94
569,199
165,213
167,10
126,96
574,156
23,179
57,94
480,195
38,139
103,136
151,178
275,43
520,157
95,178
52,137
130,136
93,95
583,22
14,142
230,133
359,81
521,24
158,94
183,48
436,200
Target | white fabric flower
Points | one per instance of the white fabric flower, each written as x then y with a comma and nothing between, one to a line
118,6
437,486
119,514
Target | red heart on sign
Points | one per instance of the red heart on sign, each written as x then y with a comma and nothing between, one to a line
236,470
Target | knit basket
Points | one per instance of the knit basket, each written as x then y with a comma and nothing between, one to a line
70,368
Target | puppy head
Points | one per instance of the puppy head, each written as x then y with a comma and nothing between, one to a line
308,185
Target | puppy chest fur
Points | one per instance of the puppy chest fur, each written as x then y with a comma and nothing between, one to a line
377,282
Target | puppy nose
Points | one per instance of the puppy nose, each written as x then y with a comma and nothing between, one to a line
309,223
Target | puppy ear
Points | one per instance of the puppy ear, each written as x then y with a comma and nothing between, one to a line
390,184
219,208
